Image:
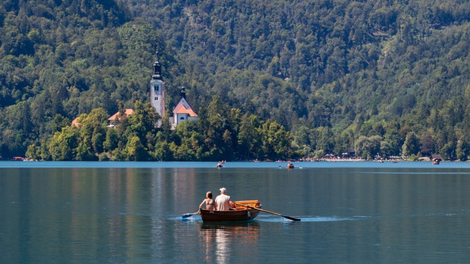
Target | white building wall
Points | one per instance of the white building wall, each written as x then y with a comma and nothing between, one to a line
157,96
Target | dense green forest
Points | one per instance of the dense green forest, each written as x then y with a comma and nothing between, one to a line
388,77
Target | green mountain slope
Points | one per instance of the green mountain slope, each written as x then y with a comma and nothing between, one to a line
383,77
64,58
349,66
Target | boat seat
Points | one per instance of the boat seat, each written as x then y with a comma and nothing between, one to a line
253,203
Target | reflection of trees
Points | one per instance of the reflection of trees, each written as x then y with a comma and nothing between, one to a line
220,241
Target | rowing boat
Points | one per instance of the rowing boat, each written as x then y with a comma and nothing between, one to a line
238,212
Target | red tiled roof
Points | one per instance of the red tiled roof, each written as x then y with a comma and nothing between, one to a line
127,112
75,122
184,108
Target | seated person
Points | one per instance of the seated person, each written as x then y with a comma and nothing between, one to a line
209,202
223,201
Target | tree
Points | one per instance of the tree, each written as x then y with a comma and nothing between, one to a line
85,151
112,140
368,147
463,149
249,140
63,144
162,151
136,151
59,123
275,140
384,149
411,145
427,144
142,121
33,152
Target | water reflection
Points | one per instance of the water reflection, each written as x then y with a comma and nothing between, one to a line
223,240
133,215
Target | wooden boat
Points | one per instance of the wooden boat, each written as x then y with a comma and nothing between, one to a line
239,212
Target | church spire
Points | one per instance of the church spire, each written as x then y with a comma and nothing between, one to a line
157,68
157,89
183,92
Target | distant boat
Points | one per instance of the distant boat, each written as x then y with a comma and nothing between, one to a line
436,159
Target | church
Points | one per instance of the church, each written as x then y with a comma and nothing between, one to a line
182,111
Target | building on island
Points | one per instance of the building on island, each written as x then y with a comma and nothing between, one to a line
157,89
182,111
75,122
114,119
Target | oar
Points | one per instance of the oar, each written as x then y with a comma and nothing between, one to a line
269,212
189,215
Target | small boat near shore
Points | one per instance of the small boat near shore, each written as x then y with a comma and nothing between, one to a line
239,212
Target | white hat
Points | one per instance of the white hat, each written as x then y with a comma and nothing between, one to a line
223,190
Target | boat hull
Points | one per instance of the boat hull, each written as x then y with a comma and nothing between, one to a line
239,213
232,215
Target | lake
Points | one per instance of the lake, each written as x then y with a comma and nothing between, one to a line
130,212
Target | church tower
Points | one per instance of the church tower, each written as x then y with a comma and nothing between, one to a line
157,89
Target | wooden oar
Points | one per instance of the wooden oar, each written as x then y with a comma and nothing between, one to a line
189,215
269,212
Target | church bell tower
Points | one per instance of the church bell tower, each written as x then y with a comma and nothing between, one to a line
157,89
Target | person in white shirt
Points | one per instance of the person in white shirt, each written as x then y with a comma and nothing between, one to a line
223,201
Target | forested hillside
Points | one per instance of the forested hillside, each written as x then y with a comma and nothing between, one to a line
383,76
370,75
60,59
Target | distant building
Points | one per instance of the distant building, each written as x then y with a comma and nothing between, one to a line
157,90
182,111
349,153
114,119
75,122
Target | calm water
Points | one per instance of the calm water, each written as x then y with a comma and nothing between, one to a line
364,212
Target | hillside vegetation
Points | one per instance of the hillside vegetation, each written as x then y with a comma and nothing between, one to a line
383,77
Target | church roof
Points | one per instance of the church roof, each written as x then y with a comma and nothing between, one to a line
184,108
116,115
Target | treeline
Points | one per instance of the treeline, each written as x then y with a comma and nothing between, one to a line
381,77
66,58
337,68
219,134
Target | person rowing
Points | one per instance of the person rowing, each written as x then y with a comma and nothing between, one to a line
222,201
